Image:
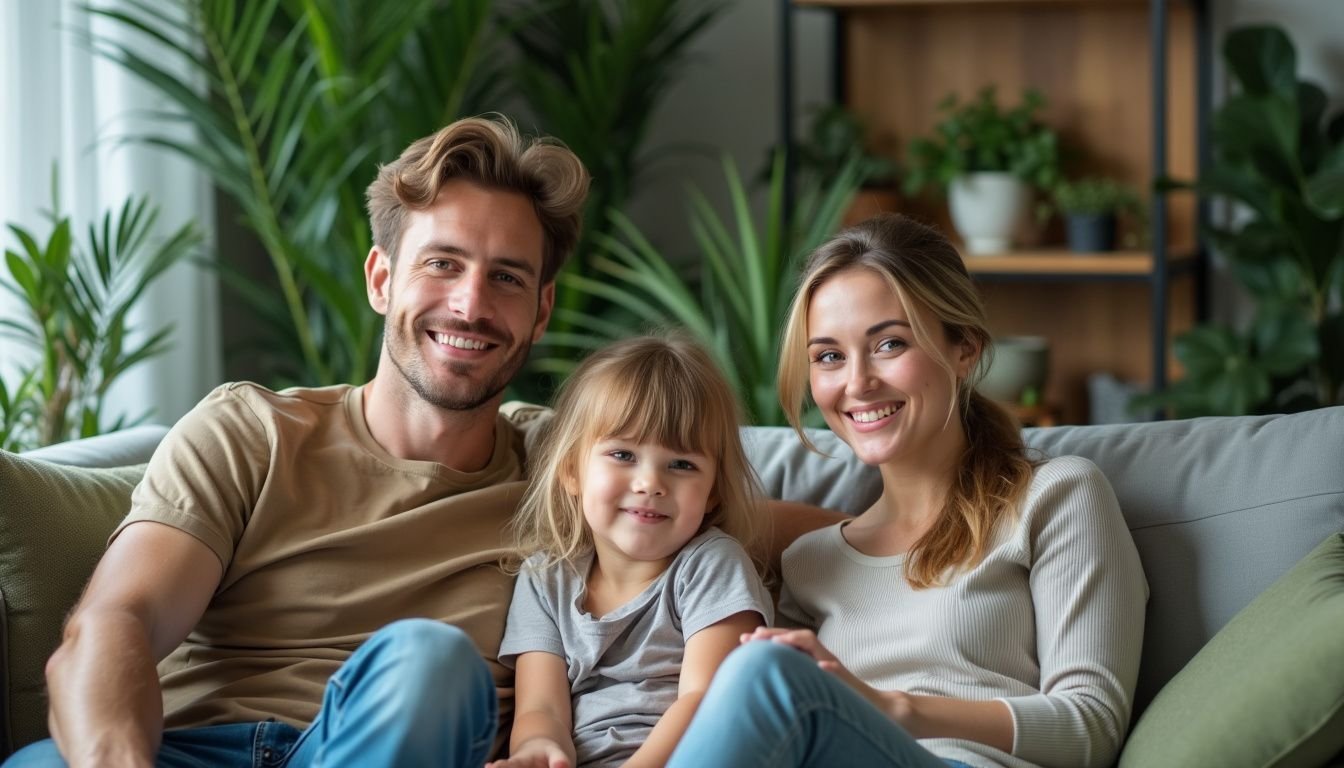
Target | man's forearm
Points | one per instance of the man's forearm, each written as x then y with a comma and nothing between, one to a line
106,705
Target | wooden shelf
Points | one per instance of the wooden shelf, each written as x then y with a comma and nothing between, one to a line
1064,262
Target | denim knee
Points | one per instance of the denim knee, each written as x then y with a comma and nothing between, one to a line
762,660
425,660
40,754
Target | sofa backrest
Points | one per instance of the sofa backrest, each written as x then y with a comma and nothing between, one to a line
1219,507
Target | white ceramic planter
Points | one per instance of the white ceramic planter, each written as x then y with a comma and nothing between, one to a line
988,209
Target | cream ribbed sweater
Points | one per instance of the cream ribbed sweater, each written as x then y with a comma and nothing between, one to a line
1050,622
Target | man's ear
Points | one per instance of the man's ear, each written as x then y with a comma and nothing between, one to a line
378,279
545,303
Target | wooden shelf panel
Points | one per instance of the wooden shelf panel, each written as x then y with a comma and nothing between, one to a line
1065,262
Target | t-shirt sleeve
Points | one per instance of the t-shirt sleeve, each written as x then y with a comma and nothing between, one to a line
531,625
715,581
1089,593
791,614
207,474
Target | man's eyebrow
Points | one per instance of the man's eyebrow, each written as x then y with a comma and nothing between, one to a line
522,265
872,331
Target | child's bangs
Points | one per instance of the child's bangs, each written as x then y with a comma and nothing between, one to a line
651,402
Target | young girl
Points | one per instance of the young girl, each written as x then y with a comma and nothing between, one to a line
636,586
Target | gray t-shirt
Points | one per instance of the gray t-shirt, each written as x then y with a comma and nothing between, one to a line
624,667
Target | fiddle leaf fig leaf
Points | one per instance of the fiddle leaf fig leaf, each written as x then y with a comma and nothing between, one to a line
1284,339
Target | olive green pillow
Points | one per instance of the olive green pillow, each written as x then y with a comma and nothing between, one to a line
54,524
1268,689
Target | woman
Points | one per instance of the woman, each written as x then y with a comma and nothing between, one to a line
987,610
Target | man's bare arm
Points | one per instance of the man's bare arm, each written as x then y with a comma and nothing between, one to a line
148,591
791,519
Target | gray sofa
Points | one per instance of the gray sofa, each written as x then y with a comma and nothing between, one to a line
1220,509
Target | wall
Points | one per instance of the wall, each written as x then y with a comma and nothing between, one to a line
727,101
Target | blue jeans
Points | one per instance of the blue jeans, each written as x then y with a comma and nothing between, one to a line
416,693
771,706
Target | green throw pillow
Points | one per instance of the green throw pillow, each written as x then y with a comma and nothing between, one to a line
1268,689
54,524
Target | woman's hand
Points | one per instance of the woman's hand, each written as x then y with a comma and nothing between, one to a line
897,705
535,753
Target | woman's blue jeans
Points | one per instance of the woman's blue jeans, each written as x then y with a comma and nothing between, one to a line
416,693
771,706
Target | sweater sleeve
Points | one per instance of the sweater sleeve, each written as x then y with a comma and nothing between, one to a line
1089,593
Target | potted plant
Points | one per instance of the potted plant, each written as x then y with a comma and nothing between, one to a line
77,294
988,158
1091,207
1280,158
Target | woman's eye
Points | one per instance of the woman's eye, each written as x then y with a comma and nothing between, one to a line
891,345
827,358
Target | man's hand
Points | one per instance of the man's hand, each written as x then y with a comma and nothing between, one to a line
540,752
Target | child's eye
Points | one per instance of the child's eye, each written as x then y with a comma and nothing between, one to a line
683,464
620,454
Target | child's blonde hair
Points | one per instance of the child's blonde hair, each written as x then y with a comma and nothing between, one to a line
662,389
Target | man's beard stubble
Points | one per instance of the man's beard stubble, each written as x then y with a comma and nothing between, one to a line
460,393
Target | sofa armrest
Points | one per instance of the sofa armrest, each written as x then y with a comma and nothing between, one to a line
116,449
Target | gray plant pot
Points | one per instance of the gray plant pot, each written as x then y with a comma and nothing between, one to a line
1090,232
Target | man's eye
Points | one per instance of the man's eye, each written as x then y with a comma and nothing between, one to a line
505,277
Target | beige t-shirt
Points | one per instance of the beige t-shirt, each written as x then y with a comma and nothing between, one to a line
324,538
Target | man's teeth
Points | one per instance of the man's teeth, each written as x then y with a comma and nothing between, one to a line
863,417
458,341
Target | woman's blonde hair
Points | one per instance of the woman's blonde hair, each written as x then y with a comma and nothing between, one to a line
491,152
663,389
927,276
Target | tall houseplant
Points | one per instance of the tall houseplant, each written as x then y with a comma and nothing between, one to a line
78,295
736,299
988,158
1280,160
300,100
592,73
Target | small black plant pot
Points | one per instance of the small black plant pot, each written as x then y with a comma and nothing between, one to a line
1090,232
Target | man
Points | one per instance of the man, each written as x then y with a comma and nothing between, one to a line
277,538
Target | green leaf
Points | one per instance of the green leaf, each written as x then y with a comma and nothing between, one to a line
1325,189
1284,339
1262,59
1205,351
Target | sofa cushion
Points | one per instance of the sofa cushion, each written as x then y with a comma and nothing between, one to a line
1219,508
1268,689
54,523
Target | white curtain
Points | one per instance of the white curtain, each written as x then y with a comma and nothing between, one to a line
60,102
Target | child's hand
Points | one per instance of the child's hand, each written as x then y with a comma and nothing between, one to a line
535,753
